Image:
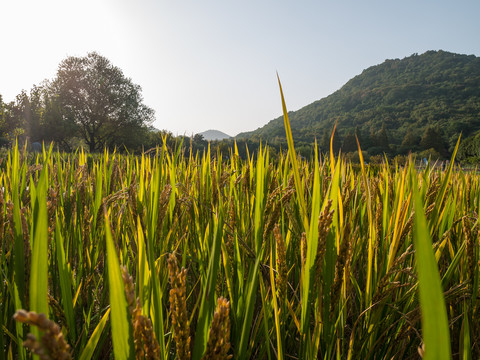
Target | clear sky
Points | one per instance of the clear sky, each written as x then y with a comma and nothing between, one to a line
212,64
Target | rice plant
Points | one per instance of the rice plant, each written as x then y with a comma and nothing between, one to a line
162,256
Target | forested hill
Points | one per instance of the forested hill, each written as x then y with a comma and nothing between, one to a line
414,104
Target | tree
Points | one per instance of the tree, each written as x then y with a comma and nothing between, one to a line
28,110
13,123
56,126
382,139
105,105
349,143
410,141
325,142
432,139
3,122
469,150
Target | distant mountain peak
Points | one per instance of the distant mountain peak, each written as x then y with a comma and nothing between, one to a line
211,135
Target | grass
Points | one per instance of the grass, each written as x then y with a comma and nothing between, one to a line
297,259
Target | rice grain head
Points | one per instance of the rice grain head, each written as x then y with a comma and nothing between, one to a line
218,343
178,308
52,345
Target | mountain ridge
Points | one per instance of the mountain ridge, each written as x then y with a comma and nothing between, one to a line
437,89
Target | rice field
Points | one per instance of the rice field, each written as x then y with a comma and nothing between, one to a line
160,256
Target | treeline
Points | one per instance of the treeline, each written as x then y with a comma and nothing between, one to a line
89,103
420,105
39,117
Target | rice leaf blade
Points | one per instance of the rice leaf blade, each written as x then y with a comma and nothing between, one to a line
89,349
121,327
434,315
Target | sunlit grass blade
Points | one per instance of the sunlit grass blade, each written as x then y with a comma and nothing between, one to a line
121,327
312,241
434,315
332,154
452,267
293,160
98,195
207,306
65,282
371,230
39,268
465,341
89,349
19,286
445,184
143,269
247,320
276,314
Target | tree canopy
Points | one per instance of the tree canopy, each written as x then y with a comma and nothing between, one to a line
106,106
90,101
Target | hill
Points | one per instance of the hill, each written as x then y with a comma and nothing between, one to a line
211,135
416,103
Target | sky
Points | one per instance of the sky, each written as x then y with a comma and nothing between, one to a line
206,64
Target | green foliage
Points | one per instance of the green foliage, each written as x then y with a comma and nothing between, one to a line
469,150
106,105
89,99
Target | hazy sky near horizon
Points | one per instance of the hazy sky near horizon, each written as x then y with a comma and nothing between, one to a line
212,64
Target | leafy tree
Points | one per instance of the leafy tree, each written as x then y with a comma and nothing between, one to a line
469,150
12,124
106,106
349,143
325,142
382,139
3,121
410,141
27,112
432,139
55,125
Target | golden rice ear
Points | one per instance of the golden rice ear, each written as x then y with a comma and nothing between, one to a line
146,343
218,343
52,344
178,308
470,247
129,289
281,278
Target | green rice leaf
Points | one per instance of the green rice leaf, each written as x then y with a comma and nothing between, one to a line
89,349
434,315
293,159
65,283
121,327
207,306
39,269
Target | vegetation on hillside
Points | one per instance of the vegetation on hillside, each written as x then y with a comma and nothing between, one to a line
417,104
